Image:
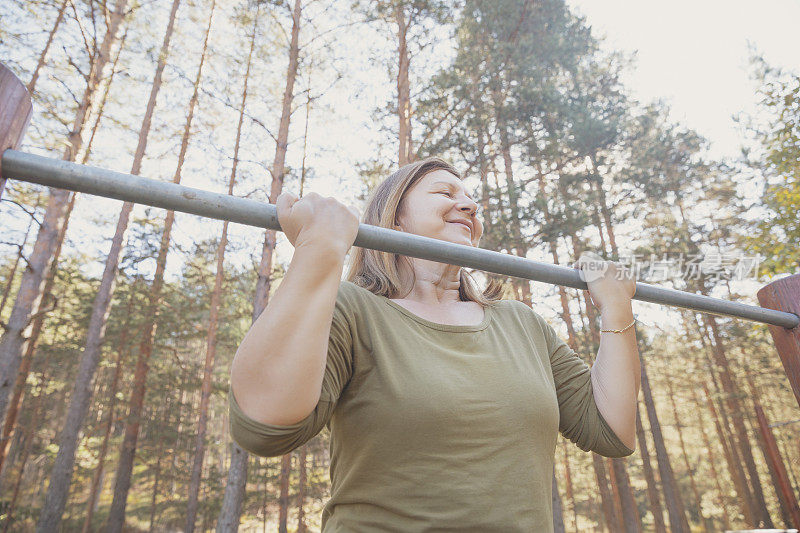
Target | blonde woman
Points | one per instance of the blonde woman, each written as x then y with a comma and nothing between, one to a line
443,401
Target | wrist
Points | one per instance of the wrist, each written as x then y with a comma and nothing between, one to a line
617,316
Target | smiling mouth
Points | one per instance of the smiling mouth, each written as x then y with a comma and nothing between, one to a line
464,225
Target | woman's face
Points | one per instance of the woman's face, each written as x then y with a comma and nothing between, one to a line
438,206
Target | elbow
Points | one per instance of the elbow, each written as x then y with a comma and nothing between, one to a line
619,453
260,449
629,441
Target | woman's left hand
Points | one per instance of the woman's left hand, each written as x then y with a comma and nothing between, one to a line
610,284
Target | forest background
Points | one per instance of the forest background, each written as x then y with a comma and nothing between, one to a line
119,325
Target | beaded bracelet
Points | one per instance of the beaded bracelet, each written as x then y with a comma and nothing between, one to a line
619,330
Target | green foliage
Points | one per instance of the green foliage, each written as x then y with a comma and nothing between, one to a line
776,234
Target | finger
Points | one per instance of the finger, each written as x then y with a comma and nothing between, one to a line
283,204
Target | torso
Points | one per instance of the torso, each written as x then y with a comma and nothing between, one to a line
460,314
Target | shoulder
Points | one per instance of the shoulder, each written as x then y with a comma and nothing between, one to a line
533,322
356,301
519,309
351,293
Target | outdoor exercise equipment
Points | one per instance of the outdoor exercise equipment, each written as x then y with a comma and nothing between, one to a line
781,298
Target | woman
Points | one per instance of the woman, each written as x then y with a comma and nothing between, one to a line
444,402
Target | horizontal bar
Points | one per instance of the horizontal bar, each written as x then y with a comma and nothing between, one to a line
102,182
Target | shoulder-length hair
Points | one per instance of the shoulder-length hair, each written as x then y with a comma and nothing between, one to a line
378,271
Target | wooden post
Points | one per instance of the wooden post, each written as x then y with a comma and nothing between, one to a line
784,295
15,114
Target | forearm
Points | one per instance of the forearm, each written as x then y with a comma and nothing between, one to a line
277,372
616,373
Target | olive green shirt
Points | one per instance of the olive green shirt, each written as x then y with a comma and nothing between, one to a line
439,427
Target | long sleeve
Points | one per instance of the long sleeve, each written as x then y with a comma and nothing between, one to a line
580,420
271,440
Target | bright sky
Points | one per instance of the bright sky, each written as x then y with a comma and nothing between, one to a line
694,54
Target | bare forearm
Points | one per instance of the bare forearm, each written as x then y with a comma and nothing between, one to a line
616,373
277,372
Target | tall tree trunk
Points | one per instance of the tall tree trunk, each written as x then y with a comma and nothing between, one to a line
689,470
568,486
615,492
620,479
216,297
40,314
237,472
734,406
26,452
43,55
712,460
116,518
61,477
729,448
30,291
604,208
558,513
301,489
403,89
15,403
94,491
780,478
123,349
154,494
283,499
612,518
737,418
630,513
652,487
520,247
672,496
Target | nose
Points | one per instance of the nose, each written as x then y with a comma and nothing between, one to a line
469,206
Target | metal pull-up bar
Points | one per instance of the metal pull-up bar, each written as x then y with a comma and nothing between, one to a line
147,191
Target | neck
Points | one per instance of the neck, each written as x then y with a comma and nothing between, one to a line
434,283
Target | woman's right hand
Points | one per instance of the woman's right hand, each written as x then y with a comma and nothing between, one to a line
317,220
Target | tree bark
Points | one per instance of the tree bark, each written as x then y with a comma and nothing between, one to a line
558,513
652,487
116,518
403,89
61,476
777,468
734,408
689,470
630,513
237,472
737,414
712,461
26,452
301,489
123,349
729,449
520,247
672,497
14,405
568,487
283,500
40,314
43,55
612,518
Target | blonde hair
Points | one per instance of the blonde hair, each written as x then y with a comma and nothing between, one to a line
378,271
